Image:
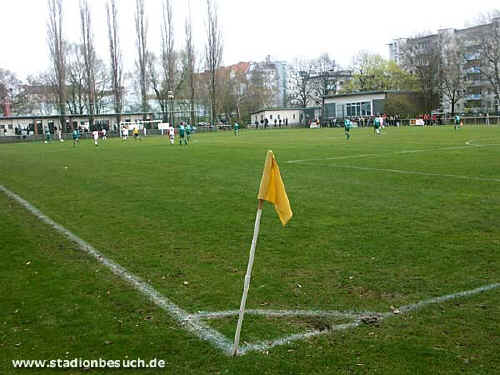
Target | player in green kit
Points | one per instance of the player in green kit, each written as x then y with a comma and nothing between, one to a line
347,128
47,136
76,137
236,128
188,133
182,134
457,122
376,125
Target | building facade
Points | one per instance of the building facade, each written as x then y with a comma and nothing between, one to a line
360,104
275,78
477,93
281,117
40,124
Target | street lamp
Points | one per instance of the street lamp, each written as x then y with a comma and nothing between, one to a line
170,96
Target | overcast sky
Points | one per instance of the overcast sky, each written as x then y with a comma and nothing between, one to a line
252,29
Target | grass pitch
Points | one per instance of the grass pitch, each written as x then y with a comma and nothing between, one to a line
379,221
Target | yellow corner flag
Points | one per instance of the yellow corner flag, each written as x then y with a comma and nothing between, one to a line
272,189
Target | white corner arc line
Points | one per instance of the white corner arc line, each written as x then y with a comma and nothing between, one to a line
194,326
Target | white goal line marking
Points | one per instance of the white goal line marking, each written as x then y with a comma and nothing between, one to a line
266,345
193,323
181,316
280,313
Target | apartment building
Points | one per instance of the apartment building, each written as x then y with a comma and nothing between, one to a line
479,92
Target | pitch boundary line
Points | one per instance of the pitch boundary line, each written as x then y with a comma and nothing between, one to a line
192,322
266,345
474,178
468,144
279,313
194,326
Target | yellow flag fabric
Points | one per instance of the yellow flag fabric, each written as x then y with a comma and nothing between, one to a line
272,189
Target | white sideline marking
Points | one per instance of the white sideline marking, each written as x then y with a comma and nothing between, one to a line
332,158
468,144
181,316
418,173
448,297
192,322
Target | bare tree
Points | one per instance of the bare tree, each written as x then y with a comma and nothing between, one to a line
89,58
213,55
10,91
452,80
38,95
102,85
323,80
226,100
158,85
258,95
190,63
248,89
422,57
116,59
299,82
76,92
168,55
173,72
487,43
57,50
141,27
166,73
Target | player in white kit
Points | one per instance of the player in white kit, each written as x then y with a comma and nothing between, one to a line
95,134
171,134
124,133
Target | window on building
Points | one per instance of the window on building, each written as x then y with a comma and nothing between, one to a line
366,109
330,110
293,116
271,117
353,109
358,109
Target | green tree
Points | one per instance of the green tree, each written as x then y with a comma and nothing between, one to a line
372,72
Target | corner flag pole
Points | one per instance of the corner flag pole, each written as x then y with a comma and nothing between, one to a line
247,277
272,190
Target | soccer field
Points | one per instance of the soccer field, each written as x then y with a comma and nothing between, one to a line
383,226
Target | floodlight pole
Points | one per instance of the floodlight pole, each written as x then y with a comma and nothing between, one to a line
247,277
